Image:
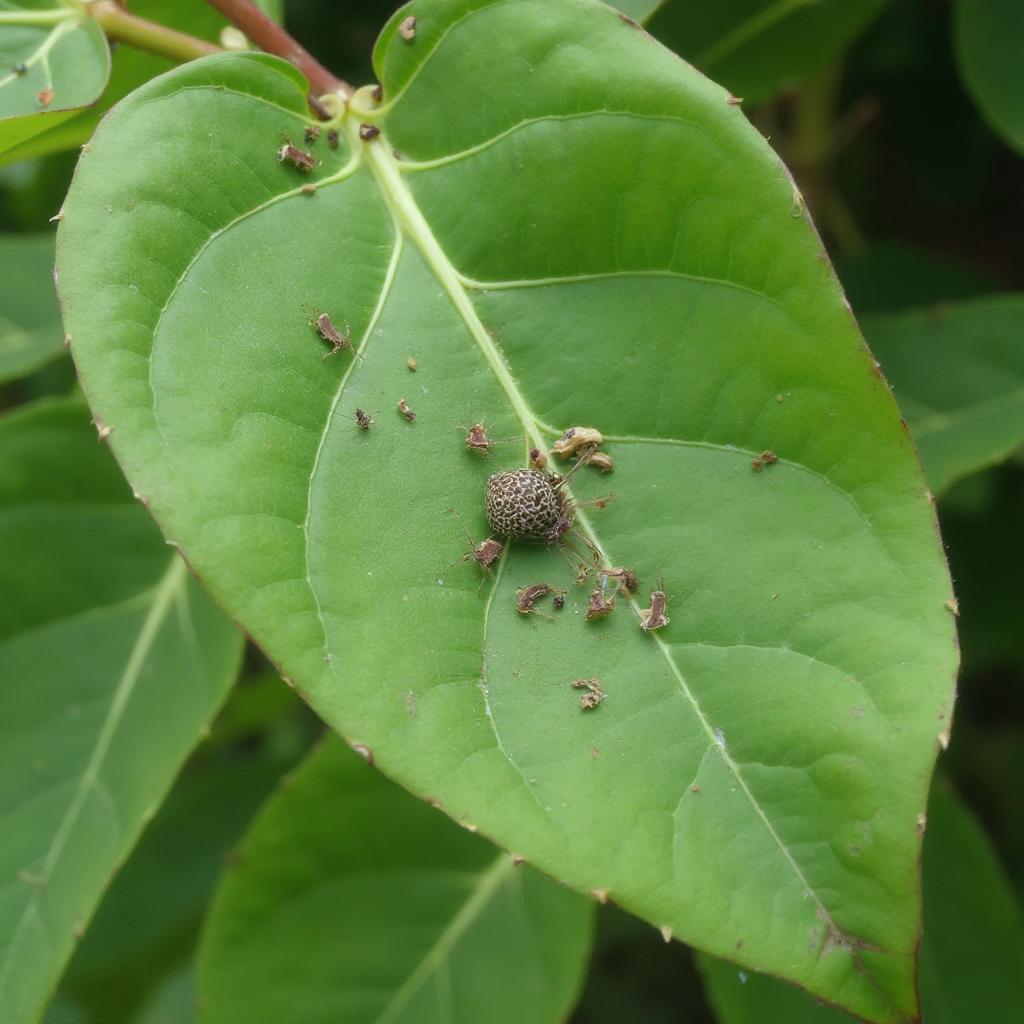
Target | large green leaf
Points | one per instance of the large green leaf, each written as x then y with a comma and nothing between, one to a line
958,374
352,901
54,60
972,953
988,36
577,229
112,661
758,47
30,330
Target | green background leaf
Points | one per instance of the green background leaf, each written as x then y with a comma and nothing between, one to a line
113,661
987,36
352,901
636,258
65,52
972,957
30,330
958,374
758,47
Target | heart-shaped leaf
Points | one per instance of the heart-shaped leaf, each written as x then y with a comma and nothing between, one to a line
562,225
113,661
958,374
758,47
54,60
375,907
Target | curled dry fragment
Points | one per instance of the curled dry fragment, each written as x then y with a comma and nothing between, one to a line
574,439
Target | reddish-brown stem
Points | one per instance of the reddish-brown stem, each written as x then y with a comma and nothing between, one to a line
272,38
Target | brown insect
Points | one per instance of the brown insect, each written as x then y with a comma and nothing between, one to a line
327,330
559,600
484,554
45,96
368,132
601,603
403,408
538,460
594,695
298,158
312,133
363,420
527,597
654,617
766,458
332,138
477,439
407,29
603,462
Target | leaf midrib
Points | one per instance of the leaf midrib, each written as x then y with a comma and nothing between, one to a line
410,220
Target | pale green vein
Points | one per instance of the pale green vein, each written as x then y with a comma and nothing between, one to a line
163,601
42,53
486,886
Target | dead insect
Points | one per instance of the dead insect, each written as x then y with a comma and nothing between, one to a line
576,438
20,69
628,582
538,460
298,158
559,600
45,96
527,597
600,603
603,462
654,617
766,458
368,131
363,420
403,408
308,189
312,133
594,695
332,138
326,329
407,29
411,364
484,554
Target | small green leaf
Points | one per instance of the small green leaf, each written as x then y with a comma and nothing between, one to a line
972,952
113,662
130,68
352,901
757,48
605,241
30,330
54,60
958,374
989,35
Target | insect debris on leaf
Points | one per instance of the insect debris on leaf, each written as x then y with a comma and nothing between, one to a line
332,138
407,29
538,460
312,133
600,603
367,132
654,617
766,458
45,96
327,330
363,420
527,597
628,583
411,364
403,408
298,158
576,438
594,695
